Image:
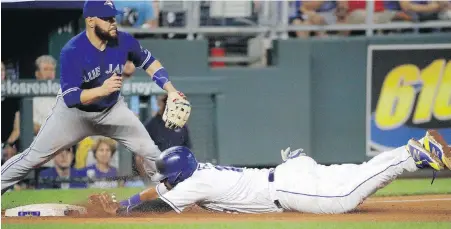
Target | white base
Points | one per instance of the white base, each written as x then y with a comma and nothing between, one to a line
45,210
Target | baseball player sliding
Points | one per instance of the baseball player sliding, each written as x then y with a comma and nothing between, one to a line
89,101
298,184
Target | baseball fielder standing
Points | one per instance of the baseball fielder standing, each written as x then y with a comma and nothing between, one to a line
89,101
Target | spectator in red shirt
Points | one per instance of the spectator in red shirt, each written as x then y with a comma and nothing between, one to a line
357,12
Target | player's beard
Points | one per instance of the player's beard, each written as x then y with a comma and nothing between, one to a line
104,35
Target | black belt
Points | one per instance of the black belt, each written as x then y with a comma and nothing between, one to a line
271,179
93,109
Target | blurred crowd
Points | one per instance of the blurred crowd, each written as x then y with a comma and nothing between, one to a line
355,12
147,14
91,163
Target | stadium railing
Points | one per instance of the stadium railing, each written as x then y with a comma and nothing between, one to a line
272,23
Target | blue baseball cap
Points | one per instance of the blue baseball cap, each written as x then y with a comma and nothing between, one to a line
96,8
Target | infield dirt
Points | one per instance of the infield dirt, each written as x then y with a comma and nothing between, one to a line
431,208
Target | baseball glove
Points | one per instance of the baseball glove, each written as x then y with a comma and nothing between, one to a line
107,201
177,111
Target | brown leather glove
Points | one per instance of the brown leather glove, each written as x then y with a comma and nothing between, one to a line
107,201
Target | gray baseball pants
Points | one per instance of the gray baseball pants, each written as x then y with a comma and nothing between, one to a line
64,127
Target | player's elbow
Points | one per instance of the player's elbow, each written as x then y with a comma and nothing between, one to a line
72,99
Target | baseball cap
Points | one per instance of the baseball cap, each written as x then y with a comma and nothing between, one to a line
96,8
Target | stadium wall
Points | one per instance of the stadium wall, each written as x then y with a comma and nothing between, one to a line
314,98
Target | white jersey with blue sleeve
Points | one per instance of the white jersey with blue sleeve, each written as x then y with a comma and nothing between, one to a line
221,188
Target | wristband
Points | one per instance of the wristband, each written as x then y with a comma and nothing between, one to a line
134,200
161,77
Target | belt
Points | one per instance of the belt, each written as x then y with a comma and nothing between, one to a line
93,109
271,179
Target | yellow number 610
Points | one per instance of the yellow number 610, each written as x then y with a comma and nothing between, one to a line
398,93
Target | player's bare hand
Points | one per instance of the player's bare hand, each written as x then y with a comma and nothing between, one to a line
112,84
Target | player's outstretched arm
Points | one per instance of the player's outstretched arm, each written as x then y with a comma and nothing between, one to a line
146,195
145,201
152,206
178,109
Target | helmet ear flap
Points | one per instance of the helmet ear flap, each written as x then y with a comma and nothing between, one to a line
176,179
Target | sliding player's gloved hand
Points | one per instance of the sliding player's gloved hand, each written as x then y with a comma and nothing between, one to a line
107,201
288,154
177,111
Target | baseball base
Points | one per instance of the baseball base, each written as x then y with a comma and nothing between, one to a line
45,210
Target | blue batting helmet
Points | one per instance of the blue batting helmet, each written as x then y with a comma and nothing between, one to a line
176,164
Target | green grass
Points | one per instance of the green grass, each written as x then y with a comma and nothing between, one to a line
416,187
247,225
76,196
67,196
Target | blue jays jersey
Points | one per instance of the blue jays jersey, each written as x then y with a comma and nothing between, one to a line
83,66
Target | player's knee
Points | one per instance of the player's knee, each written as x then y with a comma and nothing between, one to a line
349,204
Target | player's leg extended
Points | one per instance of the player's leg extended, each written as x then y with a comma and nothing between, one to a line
121,124
63,127
354,183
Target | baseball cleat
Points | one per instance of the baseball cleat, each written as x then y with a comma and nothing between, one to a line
435,144
422,157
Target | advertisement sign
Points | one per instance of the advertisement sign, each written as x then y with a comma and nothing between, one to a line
408,92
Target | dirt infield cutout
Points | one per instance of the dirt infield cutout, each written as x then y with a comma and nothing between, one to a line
431,208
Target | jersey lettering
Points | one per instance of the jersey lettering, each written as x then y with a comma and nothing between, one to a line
219,167
230,168
93,74
118,69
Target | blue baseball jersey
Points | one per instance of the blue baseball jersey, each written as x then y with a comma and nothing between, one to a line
112,172
83,66
51,173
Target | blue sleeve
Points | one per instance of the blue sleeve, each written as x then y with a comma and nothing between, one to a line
140,56
71,77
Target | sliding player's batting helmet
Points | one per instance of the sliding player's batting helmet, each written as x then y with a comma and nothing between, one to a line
176,164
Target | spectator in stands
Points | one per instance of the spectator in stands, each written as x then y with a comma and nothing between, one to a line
52,178
42,105
85,153
323,13
445,10
395,8
296,18
138,14
10,123
421,10
3,72
103,151
163,137
357,12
